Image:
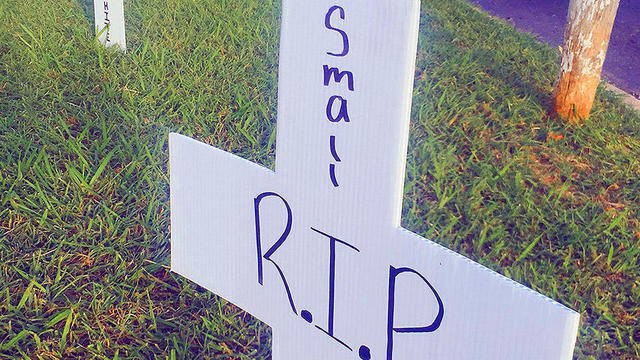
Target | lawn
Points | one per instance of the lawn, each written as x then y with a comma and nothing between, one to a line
84,211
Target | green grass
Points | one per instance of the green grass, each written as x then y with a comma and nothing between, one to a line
84,216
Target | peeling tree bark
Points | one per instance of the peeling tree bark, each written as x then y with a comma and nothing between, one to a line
586,39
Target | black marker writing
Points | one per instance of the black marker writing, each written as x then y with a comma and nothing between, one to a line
276,246
364,352
332,282
393,274
107,22
343,113
337,76
345,38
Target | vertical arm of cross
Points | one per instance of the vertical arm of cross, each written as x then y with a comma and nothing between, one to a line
343,115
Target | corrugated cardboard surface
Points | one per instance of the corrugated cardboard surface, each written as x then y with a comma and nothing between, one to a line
271,242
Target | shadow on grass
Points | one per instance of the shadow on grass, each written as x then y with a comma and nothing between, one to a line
87,8
502,69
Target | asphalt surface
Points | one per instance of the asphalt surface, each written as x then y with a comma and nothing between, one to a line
547,18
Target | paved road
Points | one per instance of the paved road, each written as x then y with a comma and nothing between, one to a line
547,18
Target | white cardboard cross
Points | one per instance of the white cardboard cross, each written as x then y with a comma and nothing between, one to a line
109,22
315,249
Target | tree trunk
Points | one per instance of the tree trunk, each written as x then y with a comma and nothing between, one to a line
589,25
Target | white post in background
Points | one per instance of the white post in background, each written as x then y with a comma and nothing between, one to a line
109,17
